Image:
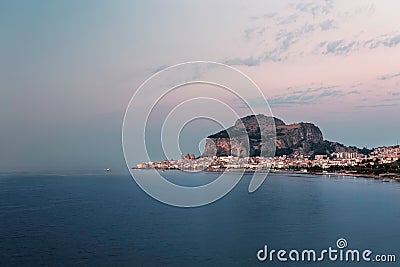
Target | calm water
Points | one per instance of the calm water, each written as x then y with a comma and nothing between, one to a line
104,219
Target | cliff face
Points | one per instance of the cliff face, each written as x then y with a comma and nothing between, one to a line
265,136
250,136
298,137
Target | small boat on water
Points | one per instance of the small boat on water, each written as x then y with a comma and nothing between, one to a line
386,180
107,169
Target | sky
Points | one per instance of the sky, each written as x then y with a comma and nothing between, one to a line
68,69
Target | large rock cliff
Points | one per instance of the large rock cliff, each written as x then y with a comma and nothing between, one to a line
260,135
250,136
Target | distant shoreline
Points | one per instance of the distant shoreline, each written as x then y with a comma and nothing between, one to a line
382,177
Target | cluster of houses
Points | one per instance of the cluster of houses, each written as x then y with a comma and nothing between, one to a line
379,155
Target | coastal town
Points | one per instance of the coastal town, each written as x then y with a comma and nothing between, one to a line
380,162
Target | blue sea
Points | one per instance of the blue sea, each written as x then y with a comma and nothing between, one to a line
105,219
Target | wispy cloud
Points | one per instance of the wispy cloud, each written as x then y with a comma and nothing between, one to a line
378,106
278,47
328,24
301,29
392,41
338,47
307,96
388,76
388,100
249,32
387,40
314,8
250,61
265,16
159,68
285,38
287,20
310,96
345,47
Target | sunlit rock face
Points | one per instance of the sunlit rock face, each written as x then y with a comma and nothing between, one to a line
260,135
